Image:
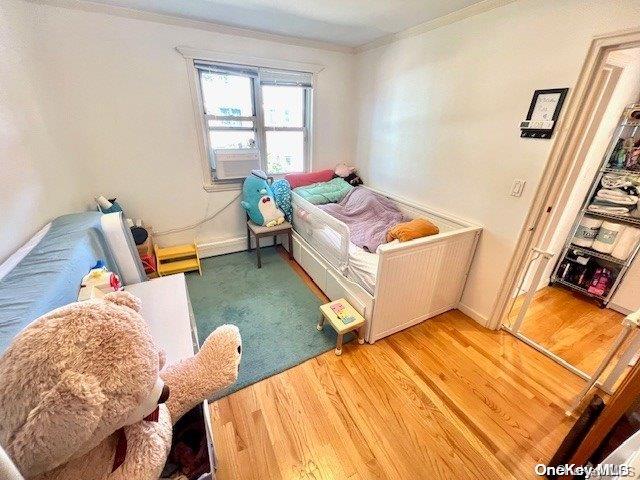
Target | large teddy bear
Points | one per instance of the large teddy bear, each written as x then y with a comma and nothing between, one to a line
83,394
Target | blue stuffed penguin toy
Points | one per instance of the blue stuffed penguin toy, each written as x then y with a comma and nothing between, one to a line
258,200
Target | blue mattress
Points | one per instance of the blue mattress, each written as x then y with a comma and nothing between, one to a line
50,275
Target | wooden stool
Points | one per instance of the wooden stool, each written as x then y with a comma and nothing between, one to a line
338,311
259,231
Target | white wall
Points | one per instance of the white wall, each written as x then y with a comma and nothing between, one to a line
38,183
439,112
120,96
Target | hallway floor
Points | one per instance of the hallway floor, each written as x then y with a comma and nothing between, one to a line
570,325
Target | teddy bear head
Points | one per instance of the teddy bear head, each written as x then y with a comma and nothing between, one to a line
75,376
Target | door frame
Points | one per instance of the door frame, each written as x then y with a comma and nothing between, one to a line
562,160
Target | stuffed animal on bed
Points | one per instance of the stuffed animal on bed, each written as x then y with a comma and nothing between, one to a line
282,193
84,396
348,174
258,200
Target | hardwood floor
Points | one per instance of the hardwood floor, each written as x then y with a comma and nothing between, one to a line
571,326
446,399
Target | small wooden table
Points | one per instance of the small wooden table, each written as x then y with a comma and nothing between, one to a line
259,231
335,312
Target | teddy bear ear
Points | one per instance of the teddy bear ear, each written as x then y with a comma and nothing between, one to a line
62,422
124,299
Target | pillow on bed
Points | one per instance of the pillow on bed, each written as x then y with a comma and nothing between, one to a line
332,191
416,228
303,179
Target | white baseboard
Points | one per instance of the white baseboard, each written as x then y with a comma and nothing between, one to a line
618,308
471,313
231,245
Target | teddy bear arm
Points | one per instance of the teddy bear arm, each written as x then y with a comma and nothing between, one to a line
213,368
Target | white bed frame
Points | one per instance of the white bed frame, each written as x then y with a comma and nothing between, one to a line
416,280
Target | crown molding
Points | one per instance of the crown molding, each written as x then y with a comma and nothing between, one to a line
179,21
453,17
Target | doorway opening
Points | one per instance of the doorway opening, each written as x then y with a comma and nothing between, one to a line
571,292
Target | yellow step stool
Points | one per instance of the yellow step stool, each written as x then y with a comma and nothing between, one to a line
177,259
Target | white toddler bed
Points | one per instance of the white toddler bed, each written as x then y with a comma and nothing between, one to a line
401,284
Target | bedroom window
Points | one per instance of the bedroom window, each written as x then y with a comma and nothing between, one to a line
262,116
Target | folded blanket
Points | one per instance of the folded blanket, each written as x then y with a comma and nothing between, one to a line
324,192
416,228
367,215
627,243
605,207
616,196
612,180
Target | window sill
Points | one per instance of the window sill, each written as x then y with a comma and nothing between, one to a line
223,187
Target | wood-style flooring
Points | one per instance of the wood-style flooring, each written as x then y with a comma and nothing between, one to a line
571,326
446,399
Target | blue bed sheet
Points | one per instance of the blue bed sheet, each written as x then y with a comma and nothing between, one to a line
50,275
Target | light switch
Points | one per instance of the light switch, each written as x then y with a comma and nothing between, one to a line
517,188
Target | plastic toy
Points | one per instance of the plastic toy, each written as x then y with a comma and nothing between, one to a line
98,282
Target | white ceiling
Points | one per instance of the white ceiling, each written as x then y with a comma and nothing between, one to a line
350,23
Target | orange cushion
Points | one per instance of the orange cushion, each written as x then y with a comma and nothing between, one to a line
416,228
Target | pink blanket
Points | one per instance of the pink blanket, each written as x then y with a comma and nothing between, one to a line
367,215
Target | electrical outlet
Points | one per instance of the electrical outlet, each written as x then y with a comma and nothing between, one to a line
517,187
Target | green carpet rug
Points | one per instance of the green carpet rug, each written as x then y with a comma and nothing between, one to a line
274,310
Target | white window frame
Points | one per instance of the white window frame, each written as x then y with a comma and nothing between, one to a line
192,56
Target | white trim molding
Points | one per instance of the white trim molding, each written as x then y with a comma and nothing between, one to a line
448,19
186,22
231,245
474,314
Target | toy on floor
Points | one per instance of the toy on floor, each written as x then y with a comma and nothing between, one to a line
98,282
177,259
83,392
258,200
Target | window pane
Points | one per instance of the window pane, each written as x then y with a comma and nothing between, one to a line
228,95
283,106
232,139
285,152
230,123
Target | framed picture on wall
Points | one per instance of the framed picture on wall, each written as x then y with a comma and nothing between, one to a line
543,113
